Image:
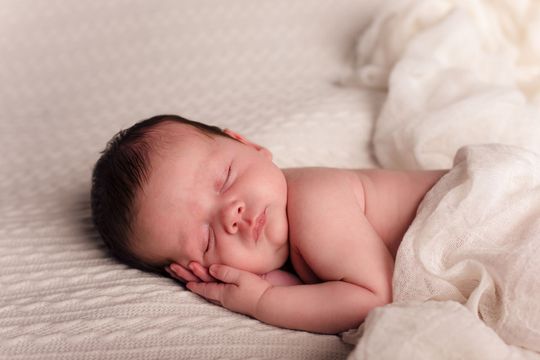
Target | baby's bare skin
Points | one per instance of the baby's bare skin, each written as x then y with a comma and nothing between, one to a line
345,227
227,232
387,199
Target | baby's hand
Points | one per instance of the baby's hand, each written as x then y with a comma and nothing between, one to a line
240,291
195,273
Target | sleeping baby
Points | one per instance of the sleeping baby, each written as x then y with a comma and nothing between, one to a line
301,248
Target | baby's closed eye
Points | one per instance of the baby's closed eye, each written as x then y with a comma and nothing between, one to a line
207,238
226,177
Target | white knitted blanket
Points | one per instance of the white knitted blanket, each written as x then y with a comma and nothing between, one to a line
72,73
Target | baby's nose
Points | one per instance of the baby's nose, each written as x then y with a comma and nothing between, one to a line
232,215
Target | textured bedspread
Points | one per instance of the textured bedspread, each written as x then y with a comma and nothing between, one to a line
72,73
450,73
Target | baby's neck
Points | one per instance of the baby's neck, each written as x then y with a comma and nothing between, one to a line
288,266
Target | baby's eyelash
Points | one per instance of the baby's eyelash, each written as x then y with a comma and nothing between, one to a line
227,177
209,239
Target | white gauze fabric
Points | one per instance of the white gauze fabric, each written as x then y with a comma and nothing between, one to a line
476,242
457,72
432,330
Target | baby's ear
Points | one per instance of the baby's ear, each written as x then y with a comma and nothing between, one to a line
245,141
236,136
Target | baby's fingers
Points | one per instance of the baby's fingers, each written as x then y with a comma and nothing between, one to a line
227,274
173,275
201,272
182,274
211,291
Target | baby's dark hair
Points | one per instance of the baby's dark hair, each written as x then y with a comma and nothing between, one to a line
120,172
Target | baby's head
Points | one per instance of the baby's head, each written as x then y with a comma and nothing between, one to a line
170,190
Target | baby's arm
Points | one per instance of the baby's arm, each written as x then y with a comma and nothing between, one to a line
358,277
281,278
330,232
328,307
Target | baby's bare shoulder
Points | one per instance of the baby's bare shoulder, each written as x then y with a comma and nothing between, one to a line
319,178
317,195
386,191
322,209
383,180
321,187
330,231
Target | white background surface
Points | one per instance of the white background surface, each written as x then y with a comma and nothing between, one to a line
72,73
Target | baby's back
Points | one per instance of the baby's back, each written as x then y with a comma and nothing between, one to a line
391,198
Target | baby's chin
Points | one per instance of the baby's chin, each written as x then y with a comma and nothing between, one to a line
263,267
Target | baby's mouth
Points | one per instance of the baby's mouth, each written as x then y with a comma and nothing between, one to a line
259,223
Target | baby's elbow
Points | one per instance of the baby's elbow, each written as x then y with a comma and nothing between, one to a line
384,297
384,291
